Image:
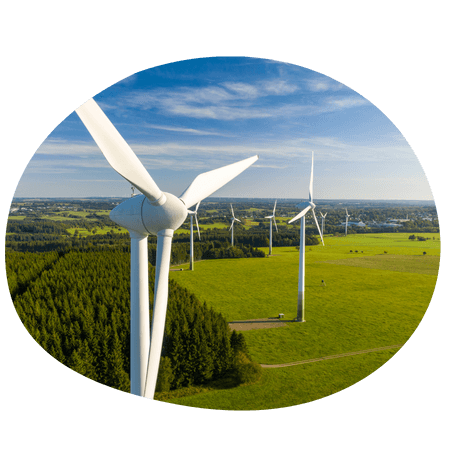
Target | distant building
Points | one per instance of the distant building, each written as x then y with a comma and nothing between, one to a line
388,225
354,224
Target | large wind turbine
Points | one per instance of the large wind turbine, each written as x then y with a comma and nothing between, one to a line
301,270
347,216
193,214
272,217
154,212
234,219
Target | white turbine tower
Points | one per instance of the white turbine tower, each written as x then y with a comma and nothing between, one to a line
323,221
154,212
272,218
234,219
301,271
346,220
193,214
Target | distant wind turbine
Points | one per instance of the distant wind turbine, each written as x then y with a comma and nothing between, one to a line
272,218
234,219
301,270
193,214
347,216
158,213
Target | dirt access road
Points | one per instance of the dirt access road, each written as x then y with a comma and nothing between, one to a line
323,358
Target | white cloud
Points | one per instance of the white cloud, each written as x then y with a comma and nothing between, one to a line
243,90
227,101
278,87
345,102
323,84
185,130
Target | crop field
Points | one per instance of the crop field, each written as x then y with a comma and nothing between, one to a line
378,288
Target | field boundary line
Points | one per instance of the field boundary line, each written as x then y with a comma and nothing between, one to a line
323,358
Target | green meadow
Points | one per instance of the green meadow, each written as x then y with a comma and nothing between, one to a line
378,287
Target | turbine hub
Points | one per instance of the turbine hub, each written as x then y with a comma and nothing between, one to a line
139,215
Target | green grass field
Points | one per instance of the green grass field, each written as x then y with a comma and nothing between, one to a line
378,288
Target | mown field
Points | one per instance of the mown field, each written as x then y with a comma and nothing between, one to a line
378,288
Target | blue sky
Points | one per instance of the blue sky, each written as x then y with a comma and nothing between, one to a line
185,118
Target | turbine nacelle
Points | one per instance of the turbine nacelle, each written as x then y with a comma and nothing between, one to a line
194,214
138,214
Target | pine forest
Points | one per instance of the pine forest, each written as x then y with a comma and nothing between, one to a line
76,306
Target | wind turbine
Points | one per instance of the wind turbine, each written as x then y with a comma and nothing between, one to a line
272,217
323,221
193,214
347,216
158,213
232,223
301,270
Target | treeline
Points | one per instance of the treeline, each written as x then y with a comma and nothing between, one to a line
76,306
214,244
37,227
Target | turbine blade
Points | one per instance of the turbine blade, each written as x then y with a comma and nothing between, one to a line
237,219
275,223
198,228
117,152
274,208
161,290
198,204
207,183
232,223
232,212
311,180
301,214
317,223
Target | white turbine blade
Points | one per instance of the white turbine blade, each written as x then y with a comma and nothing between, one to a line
198,228
317,223
268,217
232,212
275,223
232,223
237,219
209,182
117,152
311,180
301,214
325,215
196,208
274,208
161,294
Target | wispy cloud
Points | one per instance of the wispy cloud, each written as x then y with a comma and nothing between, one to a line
338,103
186,130
323,84
224,101
59,156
